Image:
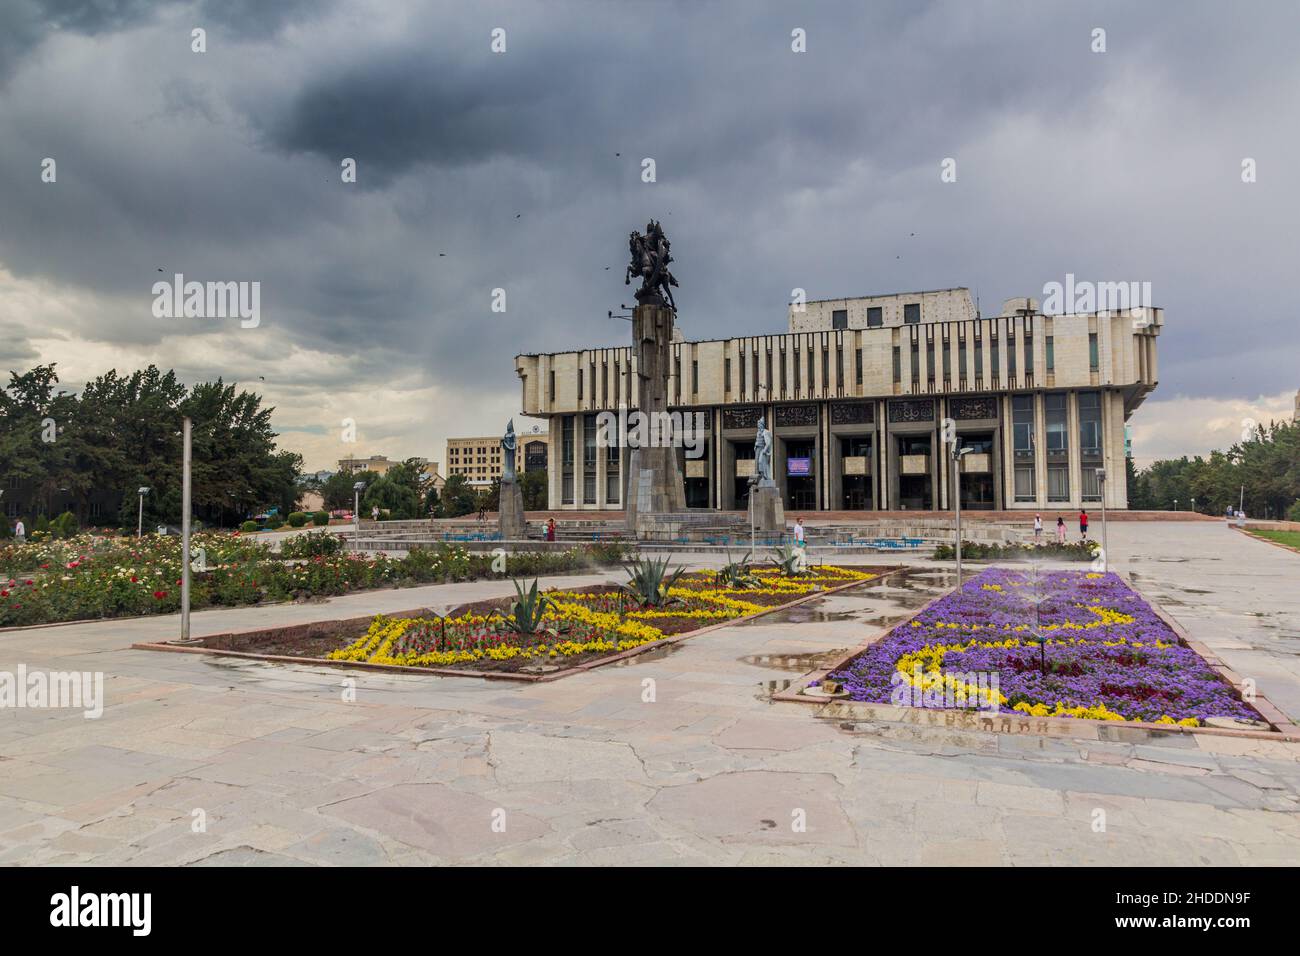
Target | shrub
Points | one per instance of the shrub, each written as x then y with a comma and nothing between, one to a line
297,519
248,526
65,525
42,524
1293,513
976,551
320,519
274,522
312,544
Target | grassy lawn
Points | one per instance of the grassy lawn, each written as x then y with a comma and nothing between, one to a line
1290,538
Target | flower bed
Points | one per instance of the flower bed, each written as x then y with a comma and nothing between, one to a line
585,624
91,576
1104,654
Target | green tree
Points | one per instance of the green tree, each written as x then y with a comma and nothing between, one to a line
399,499
457,498
533,485
337,490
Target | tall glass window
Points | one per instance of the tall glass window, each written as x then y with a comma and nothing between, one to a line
1056,422
1094,359
1090,444
566,459
613,486
1022,438
589,459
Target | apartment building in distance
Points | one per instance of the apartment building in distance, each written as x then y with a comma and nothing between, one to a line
380,464
856,394
479,459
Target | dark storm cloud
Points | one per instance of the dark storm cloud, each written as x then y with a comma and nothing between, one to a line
775,170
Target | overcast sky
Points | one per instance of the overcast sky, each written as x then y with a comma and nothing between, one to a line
522,170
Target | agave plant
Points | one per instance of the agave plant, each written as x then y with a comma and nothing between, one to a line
649,581
526,613
790,560
737,574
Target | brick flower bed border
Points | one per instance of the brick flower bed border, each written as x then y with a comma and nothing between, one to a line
1283,729
319,628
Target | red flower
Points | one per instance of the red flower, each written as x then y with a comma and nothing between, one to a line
134,579
160,594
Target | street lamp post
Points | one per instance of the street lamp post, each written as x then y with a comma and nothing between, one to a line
356,513
185,530
1175,504
956,498
1105,549
139,521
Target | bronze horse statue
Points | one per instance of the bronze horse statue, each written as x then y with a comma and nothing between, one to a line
650,256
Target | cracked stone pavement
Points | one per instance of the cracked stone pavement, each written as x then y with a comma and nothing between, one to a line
281,770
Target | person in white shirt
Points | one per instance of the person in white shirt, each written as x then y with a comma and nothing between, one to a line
20,531
1038,528
798,533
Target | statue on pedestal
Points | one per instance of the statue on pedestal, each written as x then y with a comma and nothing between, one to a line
650,257
508,444
510,510
763,454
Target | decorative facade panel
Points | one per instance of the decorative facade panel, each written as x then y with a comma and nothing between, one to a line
789,416
968,408
852,413
911,410
744,417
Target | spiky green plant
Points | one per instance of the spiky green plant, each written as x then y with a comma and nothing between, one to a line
790,560
528,610
737,574
649,581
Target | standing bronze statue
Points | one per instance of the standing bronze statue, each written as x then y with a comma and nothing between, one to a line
650,257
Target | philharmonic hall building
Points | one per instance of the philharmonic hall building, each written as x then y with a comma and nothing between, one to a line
856,394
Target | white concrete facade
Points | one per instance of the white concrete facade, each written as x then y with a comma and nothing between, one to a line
865,402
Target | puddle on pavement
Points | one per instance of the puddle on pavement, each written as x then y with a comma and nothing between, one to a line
658,654
794,662
802,614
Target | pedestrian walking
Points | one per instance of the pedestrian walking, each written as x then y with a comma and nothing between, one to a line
20,531
1060,530
374,513
1083,524
1038,529
550,529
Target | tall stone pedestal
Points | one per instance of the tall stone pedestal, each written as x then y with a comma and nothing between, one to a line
655,484
769,511
510,512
